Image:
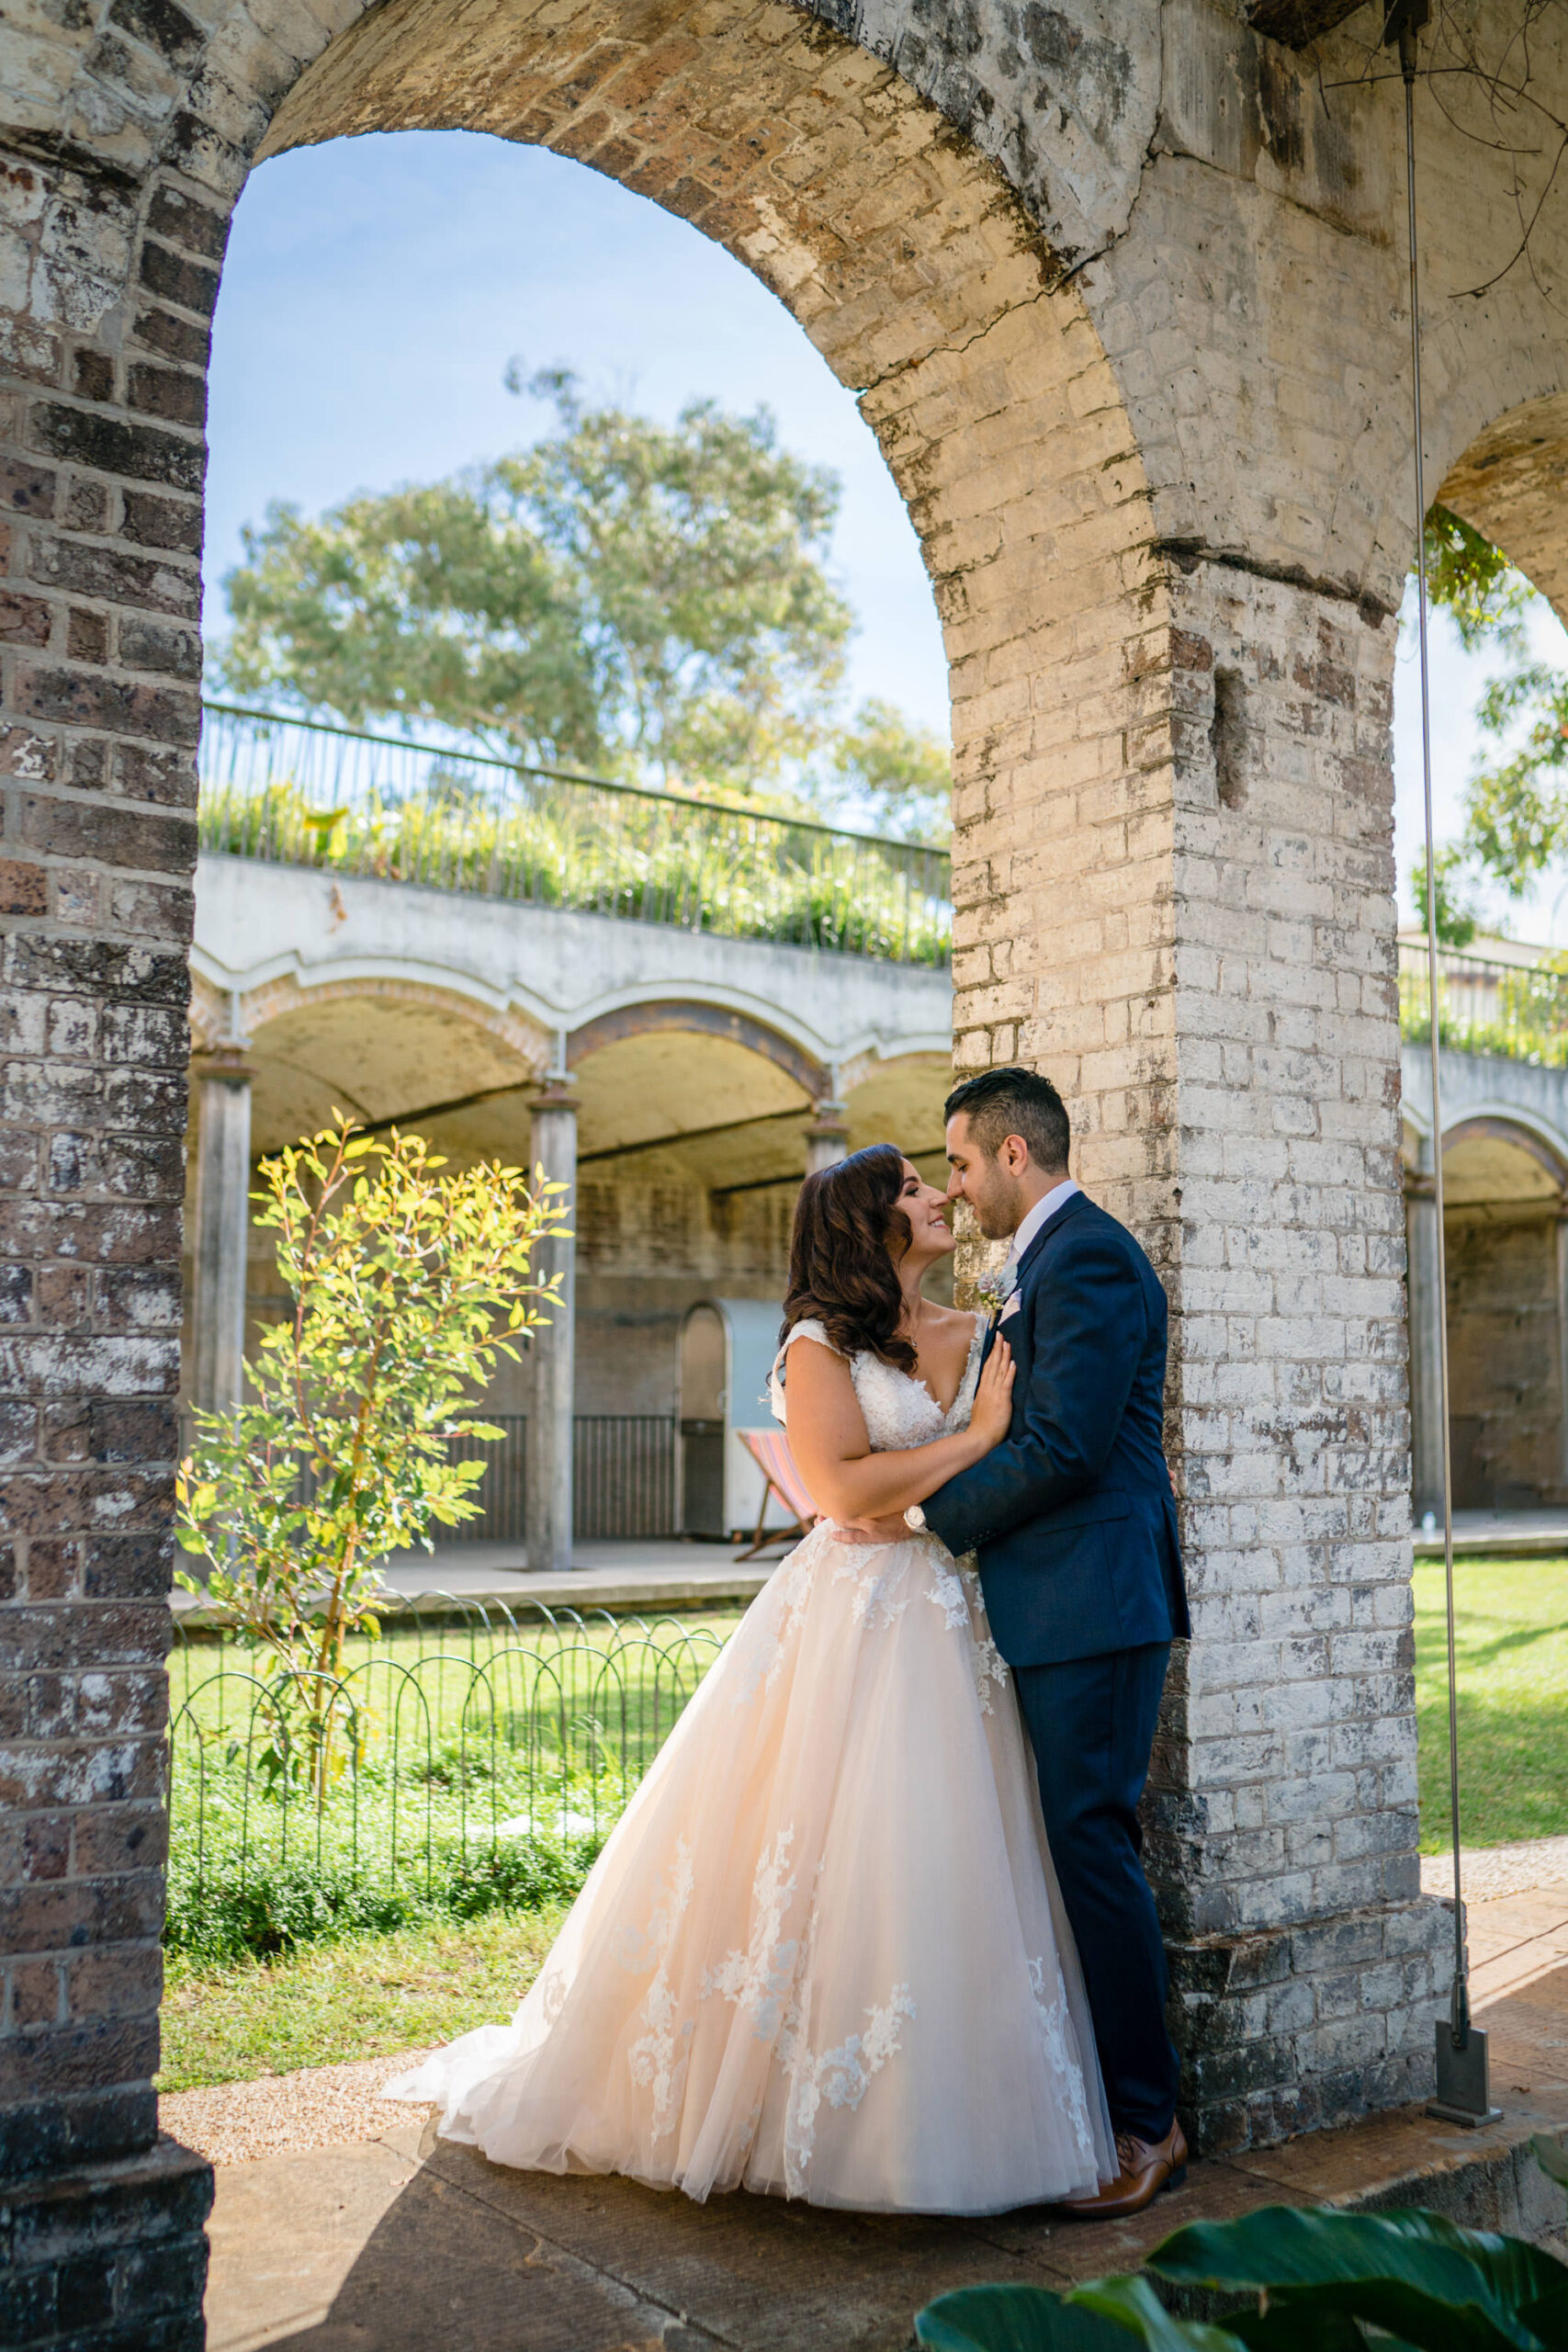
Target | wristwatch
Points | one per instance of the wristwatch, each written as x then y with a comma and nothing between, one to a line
915,1519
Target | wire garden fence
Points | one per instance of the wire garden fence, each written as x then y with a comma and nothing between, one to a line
479,1756
296,792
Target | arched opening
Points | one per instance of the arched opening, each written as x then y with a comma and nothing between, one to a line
1504,1031
1506,1183
924,285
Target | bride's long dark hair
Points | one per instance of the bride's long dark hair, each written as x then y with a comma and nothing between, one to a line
843,1255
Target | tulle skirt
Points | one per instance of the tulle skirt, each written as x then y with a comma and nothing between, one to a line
822,1954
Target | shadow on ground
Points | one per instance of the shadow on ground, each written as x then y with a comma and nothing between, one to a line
391,2246
406,2245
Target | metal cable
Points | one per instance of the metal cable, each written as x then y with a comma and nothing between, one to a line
1459,2004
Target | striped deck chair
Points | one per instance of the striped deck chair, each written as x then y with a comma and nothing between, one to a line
770,1451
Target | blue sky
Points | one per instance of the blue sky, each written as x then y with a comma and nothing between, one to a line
377,288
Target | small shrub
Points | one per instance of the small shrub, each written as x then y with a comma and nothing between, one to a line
265,1907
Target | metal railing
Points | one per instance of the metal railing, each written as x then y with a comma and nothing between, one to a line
623,1476
296,792
1519,1011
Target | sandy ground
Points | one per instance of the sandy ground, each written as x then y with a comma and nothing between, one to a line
320,2107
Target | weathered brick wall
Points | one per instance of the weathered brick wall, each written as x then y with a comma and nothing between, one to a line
99,655
1289,1824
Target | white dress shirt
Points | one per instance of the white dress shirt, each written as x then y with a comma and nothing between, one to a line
1045,1208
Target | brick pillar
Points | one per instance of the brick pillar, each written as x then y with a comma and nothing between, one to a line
551,1421
222,1231
1174,882
101,464
1285,1816
1426,1311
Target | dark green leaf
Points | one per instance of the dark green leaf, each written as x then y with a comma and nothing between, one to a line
1015,2319
1132,2305
1415,2275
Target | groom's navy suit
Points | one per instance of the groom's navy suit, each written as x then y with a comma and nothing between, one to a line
1074,1526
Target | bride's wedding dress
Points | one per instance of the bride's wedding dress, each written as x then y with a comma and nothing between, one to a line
822,1954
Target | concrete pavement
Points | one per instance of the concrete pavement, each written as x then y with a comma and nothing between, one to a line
403,2243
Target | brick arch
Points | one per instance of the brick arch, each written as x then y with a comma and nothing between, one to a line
1510,484
1497,452
1548,1150
513,1029
663,1014
1495,389
214,1012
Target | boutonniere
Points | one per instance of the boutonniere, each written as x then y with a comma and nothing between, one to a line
994,1289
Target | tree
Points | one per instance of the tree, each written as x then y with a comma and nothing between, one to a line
1457,919
899,775
407,1283
1515,821
622,597
1474,583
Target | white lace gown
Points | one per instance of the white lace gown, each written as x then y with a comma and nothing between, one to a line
822,1954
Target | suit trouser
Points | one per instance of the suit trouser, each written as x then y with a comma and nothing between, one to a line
1092,1724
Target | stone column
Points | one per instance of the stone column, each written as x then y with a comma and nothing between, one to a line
554,1345
222,1230
827,1136
1426,1337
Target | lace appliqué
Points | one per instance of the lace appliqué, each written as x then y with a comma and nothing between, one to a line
841,2077
989,1662
946,1590
658,2061
877,1599
989,1666
758,1979
956,1593
789,1595
1059,2056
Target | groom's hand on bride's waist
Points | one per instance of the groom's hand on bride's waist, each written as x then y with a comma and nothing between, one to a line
888,1530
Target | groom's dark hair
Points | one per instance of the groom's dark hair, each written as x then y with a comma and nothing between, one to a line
1014,1102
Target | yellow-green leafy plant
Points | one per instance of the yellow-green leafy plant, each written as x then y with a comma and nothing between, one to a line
409,1280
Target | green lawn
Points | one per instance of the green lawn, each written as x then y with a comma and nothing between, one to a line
330,2002
1512,1622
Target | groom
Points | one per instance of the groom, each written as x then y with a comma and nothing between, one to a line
1076,1529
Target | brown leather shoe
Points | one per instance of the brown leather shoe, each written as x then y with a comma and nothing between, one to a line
1145,2170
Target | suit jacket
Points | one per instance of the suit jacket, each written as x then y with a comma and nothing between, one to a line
1072,1515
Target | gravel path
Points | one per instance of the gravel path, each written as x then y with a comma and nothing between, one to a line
1487,1871
320,2107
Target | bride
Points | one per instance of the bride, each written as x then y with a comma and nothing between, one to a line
822,1954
